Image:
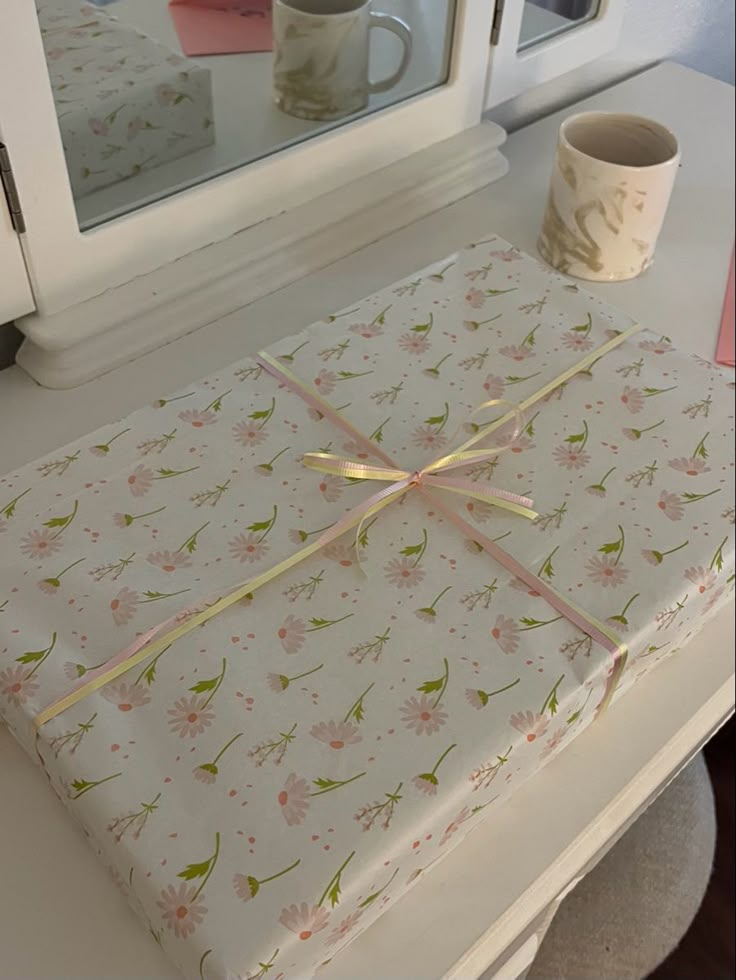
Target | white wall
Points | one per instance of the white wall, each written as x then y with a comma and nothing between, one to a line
696,33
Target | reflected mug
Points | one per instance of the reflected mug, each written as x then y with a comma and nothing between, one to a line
610,187
321,55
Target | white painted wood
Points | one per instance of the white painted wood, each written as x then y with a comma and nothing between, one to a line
85,341
15,288
466,912
512,71
68,266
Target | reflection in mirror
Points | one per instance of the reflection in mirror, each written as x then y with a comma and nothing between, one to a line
543,19
155,96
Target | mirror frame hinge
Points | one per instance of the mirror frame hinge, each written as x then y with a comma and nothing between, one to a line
11,191
497,20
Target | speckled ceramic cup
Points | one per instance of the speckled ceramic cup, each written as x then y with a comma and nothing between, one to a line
321,54
611,184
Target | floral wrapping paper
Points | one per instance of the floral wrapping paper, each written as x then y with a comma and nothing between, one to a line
125,102
264,788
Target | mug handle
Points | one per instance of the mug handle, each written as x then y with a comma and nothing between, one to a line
402,30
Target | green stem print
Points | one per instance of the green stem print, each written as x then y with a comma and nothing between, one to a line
529,340
377,434
62,522
475,360
372,648
325,785
434,372
615,547
155,596
333,888
210,497
51,584
202,959
323,624
535,624
717,560
698,408
620,618
667,617
424,328
553,519
304,536
584,328
202,869
474,325
440,421
267,468
114,569
479,699
482,596
517,379
546,569
158,445
103,448
248,886
579,439
551,701
636,434
149,671
375,895
265,526
645,475
289,358
9,509
391,394
655,557
383,810
280,682
71,740
427,782
125,520
634,368
210,686
484,775
499,292
190,545
163,402
207,772
691,498
599,489
82,786
263,415
416,549
653,392
133,823
276,747
216,404
166,474
363,536
79,670
440,276
304,590
356,711
439,685
578,711
264,967
36,657
380,318
428,614
336,316
58,466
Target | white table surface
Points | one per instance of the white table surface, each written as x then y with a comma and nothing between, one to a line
60,914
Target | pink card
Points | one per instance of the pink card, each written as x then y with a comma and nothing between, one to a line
222,26
725,348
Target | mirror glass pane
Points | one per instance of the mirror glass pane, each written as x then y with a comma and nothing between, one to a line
153,96
543,19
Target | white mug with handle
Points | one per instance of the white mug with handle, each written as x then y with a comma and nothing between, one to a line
321,56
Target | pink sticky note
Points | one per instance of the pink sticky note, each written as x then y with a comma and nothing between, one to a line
725,348
222,26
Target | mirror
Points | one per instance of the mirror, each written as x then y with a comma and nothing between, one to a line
154,96
543,19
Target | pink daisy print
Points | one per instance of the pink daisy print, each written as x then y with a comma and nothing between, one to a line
702,578
690,465
325,381
570,458
291,634
422,715
576,341
714,599
181,909
517,352
606,571
294,800
506,633
479,510
531,725
17,685
475,298
126,696
248,547
343,554
331,488
304,920
414,343
633,399
366,330
40,544
427,437
248,434
346,926
661,346
452,828
495,386
671,505
403,573
336,734
189,717
197,419
169,561
140,481
124,606
553,742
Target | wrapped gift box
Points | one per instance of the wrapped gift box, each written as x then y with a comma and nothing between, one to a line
125,102
266,785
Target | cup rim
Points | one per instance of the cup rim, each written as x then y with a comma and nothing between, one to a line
286,5
665,131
